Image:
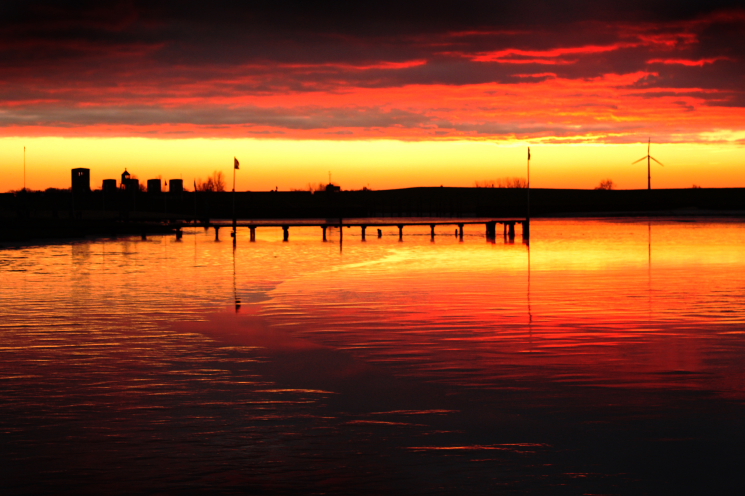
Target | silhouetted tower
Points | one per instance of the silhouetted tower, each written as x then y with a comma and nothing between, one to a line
125,180
175,185
153,186
81,180
109,185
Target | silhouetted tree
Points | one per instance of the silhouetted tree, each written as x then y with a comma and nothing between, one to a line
504,182
605,184
315,187
216,182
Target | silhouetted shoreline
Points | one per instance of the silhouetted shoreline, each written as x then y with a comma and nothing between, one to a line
61,214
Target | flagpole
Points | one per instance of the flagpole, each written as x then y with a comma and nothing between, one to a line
526,226
528,184
235,221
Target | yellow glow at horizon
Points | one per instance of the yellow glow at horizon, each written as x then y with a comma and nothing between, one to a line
378,164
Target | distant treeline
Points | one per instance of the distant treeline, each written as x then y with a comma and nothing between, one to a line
411,202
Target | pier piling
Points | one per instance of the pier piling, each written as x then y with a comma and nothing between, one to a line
217,233
363,232
460,232
491,230
285,233
432,231
400,232
324,232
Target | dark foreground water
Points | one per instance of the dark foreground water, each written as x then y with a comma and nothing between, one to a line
608,358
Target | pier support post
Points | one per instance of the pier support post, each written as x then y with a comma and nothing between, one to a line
217,233
504,229
432,232
526,229
491,230
460,232
179,234
253,234
511,232
363,232
400,232
286,233
324,232
144,236
380,233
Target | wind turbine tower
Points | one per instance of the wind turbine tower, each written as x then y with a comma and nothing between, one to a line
649,164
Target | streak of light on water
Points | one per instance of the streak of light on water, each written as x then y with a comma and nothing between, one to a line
606,357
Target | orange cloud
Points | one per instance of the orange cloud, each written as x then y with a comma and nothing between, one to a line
688,63
543,77
552,53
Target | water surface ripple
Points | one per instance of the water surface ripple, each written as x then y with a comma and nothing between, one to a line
604,358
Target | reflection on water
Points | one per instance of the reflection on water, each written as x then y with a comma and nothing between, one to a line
606,358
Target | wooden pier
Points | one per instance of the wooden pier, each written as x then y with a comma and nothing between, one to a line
508,227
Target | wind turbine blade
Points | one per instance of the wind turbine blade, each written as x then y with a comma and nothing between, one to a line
632,163
657,160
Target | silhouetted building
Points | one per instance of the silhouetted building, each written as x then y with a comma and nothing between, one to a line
81,180
332,188
128,183
109,185
153,186
125,179
176,185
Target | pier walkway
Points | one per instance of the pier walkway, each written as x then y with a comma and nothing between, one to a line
508,226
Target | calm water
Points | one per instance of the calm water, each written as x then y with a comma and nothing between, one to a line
607,358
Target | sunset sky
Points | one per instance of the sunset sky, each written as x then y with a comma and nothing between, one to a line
382,94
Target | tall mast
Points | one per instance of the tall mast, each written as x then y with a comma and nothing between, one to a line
528,216
235,220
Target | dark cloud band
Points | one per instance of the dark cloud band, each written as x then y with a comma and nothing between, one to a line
167,62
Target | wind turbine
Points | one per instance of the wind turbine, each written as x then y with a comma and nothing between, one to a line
649,158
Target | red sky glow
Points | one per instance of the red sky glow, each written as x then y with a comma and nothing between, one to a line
575,72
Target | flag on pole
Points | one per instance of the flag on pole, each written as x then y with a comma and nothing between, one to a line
236,164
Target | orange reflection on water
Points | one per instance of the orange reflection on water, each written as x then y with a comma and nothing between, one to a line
609,303
598,303
443,362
